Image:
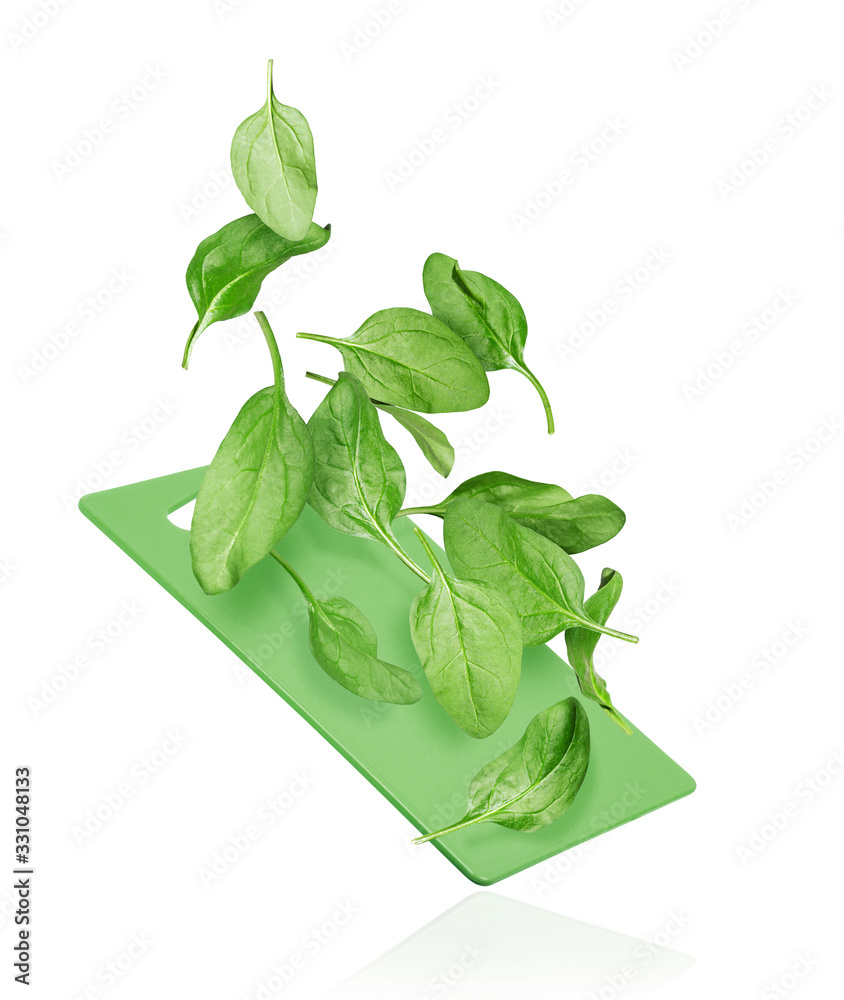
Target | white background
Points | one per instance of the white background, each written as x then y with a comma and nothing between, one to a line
683,466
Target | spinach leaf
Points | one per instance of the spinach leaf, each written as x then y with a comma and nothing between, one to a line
469,639
407,358
256,486
544,583
574,524
344,644
580,524
534,782
487,316
359,480
518,497
225,274
581,643
272,158
432,442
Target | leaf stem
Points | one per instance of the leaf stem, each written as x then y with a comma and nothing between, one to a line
450,829
419,510
299,581
278,371
333,381
429,552
317,336
405,558
321,378
606,630
189,346
617,719
543,395
269,83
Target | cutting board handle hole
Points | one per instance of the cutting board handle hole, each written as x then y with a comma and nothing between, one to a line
182,516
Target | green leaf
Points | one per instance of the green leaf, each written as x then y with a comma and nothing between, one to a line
359,479
407,358
344,644
574,525
432,442
543,582
256,486
272,159
578,525
534,782
487,316
518,497
581,643
469,639
226,272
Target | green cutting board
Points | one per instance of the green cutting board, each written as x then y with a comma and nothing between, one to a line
414,755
